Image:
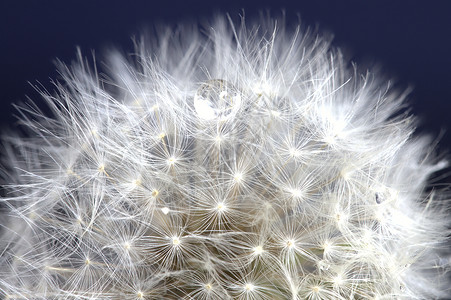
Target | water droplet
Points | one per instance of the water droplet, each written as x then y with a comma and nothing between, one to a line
379,198
323,266
217,99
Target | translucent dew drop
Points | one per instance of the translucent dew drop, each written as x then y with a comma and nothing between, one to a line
216,99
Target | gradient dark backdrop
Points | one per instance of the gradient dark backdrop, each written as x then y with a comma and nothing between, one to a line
410,39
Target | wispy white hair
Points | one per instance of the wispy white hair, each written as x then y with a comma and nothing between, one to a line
237,161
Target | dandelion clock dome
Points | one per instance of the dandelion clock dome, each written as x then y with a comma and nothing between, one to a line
240,161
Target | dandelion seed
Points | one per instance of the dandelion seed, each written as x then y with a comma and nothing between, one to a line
94,132
263,89
175,241
346,173
220,207
258,250
275,113
138,101
331,139
294,152
290,244
249,287
296,193
101,168
338,280
171,161
238,177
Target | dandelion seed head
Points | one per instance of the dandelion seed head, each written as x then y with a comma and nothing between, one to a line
235,161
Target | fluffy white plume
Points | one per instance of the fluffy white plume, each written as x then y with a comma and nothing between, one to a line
231,162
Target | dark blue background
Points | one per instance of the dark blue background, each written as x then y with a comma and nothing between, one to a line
410,39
